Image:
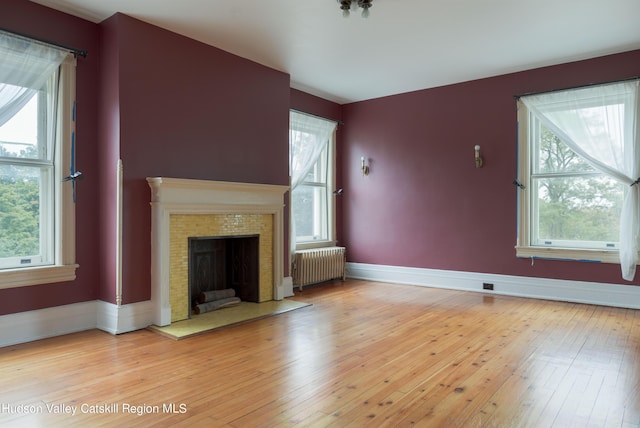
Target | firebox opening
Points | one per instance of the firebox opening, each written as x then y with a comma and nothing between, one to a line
219,263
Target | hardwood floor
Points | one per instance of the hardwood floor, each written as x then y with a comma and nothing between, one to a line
365,354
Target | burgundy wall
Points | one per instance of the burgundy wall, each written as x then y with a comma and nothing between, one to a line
189,110
170,106
312,104
425,204
34,20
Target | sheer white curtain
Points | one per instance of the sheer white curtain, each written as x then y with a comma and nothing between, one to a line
600,123
25,67
308,137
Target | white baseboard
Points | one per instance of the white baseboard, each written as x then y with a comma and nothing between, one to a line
41,324
287,287
617,295
125,318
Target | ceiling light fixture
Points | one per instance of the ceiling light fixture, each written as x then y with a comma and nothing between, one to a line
349,5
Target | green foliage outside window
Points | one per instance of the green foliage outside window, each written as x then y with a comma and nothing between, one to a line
579,203
19,209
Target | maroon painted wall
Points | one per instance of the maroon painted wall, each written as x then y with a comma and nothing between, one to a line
425,204
189,110
312,104
170,106
34,20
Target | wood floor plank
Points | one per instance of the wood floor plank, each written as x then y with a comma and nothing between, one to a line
363,354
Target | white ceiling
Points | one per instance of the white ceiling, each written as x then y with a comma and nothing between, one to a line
404,45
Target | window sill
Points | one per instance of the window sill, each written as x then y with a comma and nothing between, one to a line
13,278
320,244
583,255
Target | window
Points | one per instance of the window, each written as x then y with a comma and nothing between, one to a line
37,237
577,156
312,208
573,205
312,146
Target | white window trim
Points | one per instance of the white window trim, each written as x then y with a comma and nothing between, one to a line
64,267
331,202
524,248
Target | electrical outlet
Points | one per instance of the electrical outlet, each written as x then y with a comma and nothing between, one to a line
487,286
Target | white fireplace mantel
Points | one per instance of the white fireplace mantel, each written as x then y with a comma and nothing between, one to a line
186,196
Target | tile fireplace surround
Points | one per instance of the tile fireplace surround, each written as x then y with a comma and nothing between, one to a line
181,208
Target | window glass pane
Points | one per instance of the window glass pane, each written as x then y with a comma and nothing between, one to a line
302,202
310,208
577,208
321,226
304,141
318,173
555,156
20,189
19,135
311,177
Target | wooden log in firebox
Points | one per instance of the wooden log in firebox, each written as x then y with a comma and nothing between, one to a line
215,304
210,296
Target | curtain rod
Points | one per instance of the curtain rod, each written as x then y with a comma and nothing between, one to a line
74,51
339,122
575,87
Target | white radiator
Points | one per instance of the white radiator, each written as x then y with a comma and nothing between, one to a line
318,265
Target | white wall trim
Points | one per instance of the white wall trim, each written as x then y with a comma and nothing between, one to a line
287,288
43,323
119,175
49,322
617,295
117,319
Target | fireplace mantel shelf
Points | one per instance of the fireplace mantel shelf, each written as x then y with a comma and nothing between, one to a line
182,190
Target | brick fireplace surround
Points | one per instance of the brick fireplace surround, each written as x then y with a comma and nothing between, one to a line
183,208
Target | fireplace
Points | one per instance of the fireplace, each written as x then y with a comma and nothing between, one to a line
220,263
184,208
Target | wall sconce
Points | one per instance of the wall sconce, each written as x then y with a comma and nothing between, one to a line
478,158
365,167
